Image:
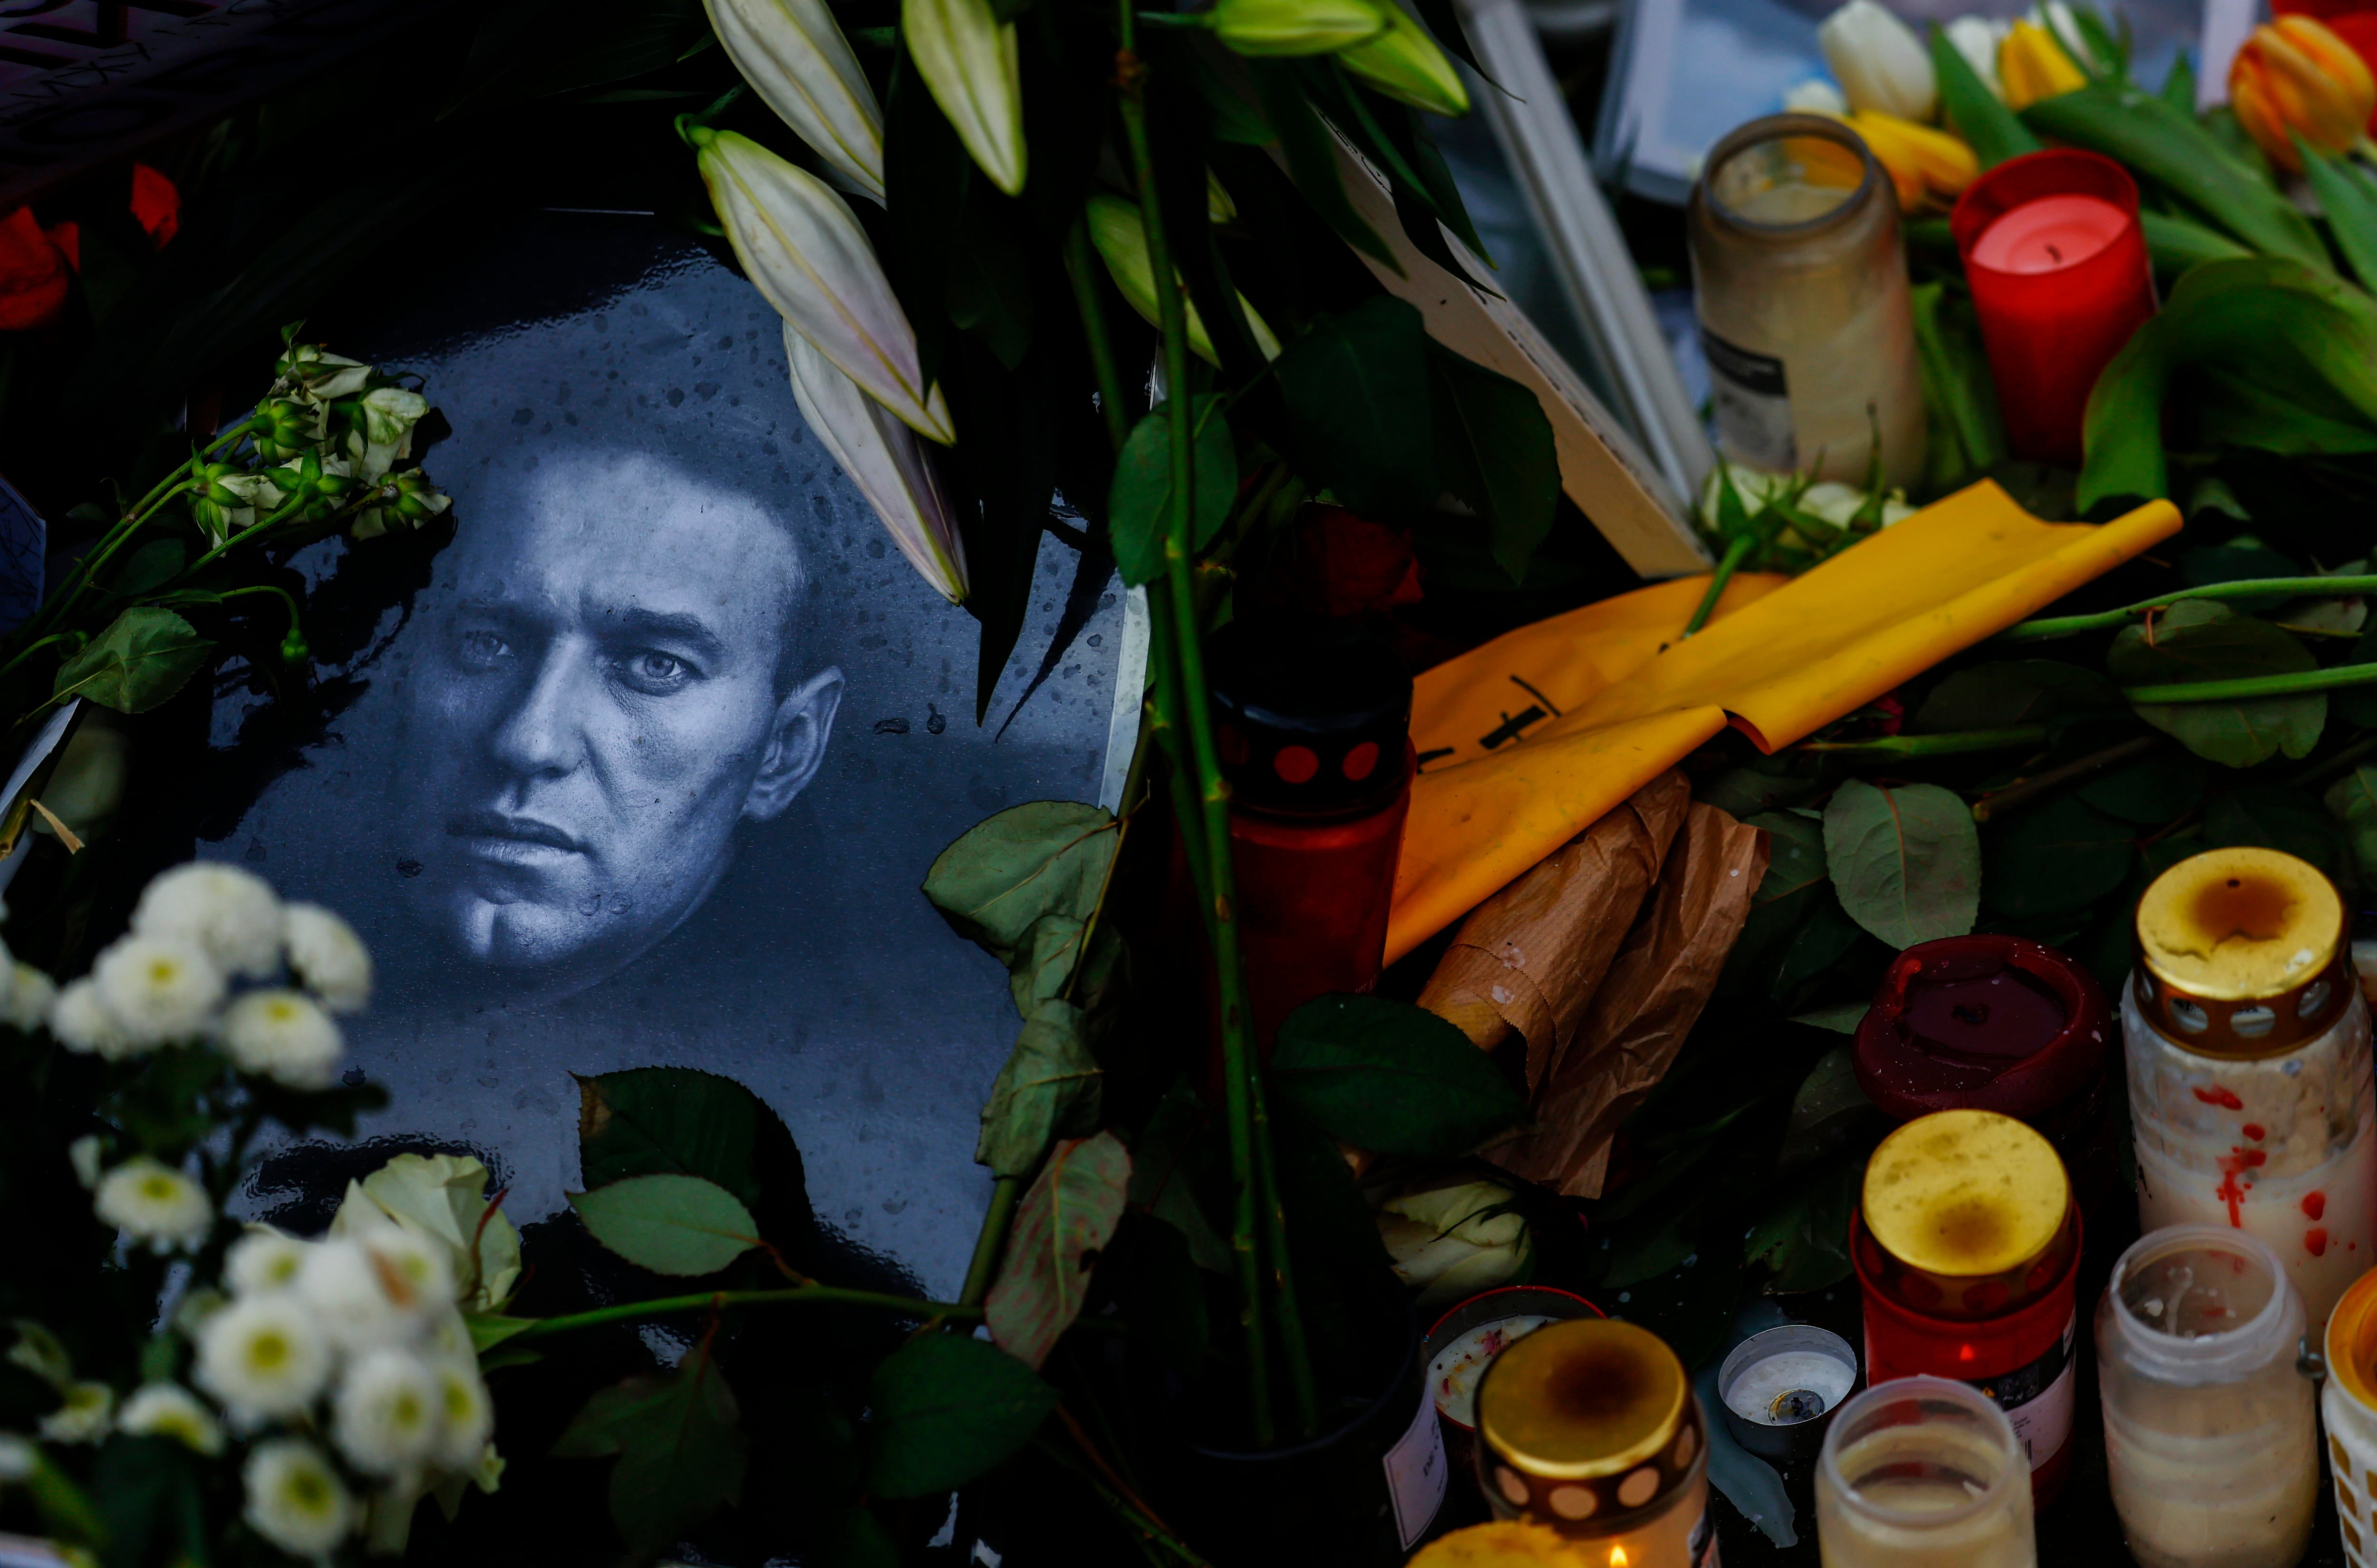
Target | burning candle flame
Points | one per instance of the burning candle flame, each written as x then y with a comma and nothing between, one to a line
1617,1557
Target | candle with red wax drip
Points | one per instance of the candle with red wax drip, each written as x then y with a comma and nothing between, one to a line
2057,264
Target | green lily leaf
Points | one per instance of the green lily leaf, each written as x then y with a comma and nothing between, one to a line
2166,145
1906,862
1356,391
2198,639
679,1225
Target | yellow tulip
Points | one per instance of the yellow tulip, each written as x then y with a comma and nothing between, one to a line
2296,75
1927,166
2032,66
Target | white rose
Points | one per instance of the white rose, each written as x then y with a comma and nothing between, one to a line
155,1203
359,1297
262,1356
328,956
231,915
157,989
283,1036
295,1500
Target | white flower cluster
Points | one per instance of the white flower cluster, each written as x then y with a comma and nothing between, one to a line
198,929
359,1336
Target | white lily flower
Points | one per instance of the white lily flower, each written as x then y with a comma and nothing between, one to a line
969,60
794,54
884,459
1978,38
1878,61
801,247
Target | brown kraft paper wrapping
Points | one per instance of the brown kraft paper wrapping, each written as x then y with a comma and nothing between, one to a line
1528,959
1647,1002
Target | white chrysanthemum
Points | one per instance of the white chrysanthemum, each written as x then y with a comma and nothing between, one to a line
155,1203
82,1023
283,1036
466,1415
167,1409
263,1356
26,996
263,1261
232,915
157,989
357,1298
328,956
84,1418
389,1412
295,1500
414,1267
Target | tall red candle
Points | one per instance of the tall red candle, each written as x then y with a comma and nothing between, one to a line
2056,260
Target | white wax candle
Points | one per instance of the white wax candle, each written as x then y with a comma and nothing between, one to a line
1757,1393
1923,1473
1453,1374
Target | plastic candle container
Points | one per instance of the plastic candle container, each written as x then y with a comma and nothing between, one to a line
1590,1427
2209,1436
1966,1246
2057,259
2246,1040
1801,288
2349,1405
1923,1473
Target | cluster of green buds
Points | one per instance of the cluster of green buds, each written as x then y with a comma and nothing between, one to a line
1377,40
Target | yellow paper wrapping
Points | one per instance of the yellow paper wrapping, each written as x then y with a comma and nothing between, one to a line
1527,740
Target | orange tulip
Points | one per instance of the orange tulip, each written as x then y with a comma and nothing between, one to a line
2295,75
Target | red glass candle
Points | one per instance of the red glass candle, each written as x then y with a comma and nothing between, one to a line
2058,263
1990,1022
1966,1246
1313,720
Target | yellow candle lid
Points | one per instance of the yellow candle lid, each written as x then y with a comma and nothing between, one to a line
1580,1399
1964,1193
2351,1344
2233,925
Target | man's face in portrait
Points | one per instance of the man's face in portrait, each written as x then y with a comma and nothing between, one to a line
605,688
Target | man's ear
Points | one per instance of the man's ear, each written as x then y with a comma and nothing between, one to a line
795,744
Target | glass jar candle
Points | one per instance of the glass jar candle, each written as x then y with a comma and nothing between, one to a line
1591,1427
1923,1473
2349,1405
1800,284
1966,1246
2209,1434
2250,1101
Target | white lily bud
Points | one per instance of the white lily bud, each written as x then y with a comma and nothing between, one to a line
1878,61
801,247
1978,38
884,459
794,54
969,59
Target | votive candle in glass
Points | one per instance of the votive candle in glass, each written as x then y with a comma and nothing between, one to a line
1966,1246
2251,1098
2056,260
1800,285
2210,1437
1923,1473
1590,1427
2349,1404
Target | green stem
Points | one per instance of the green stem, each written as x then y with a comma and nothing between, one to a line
1081,266
991,1241
2247,686
31,648
2252,588
1947,745
2021,792
1736,552
278,515
1303,1393
799,1296
1238,1066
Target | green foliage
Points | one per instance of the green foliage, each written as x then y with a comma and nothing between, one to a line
2151,791
2353,801
2060,856
2015,691
679,1225
1048,1088
655,1120
1980,116
1139,513
1906,862
2350,200
1494,450
1007,871
1066,1220
2198,639
1357,390
1390,1077
145,655
1804,1239
943,1410
680,1450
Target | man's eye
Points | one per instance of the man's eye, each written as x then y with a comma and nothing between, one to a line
483,649
652,671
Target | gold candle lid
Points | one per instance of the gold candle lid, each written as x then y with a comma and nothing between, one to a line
1580,1399
2242,952
1962,1194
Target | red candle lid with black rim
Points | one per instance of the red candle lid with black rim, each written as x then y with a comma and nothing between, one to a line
1312,715
1987,1022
